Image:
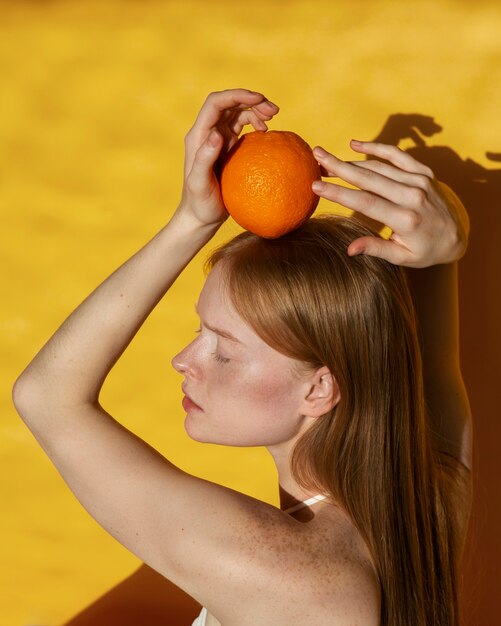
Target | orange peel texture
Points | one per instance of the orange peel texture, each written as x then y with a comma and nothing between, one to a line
266,182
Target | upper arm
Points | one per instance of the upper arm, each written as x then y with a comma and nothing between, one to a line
210,541
435,296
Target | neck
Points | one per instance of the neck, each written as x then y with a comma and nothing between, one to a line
291,492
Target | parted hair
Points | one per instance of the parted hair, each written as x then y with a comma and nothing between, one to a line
373,453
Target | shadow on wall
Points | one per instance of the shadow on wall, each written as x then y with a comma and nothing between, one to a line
147,598
480,314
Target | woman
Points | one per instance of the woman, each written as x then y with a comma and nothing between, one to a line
308,345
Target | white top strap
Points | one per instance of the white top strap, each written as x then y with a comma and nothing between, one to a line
308,502
201,619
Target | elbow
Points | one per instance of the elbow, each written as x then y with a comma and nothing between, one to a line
38,397
30,395
32,403
23,396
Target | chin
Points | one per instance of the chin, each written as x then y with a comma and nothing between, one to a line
196,434
192,431
195,430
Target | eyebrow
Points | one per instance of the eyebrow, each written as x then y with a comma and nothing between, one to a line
218,331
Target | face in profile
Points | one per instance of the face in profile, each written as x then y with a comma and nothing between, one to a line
239,390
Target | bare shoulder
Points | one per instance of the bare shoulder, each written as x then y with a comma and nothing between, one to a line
340,581
310,573
348,594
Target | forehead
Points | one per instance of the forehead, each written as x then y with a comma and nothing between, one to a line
216,309
214,291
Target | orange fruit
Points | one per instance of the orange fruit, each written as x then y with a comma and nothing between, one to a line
266,182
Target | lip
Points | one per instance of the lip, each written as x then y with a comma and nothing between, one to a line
189,405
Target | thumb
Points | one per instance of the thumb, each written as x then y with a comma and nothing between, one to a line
382,248
205,158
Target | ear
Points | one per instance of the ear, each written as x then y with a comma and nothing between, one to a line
322,393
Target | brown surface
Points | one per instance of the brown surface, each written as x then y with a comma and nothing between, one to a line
143,599
480,319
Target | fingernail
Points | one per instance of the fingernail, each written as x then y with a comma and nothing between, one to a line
319,152
317,185
356,251
355,142
271,104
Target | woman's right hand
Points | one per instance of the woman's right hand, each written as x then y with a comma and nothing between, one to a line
430,224
215,131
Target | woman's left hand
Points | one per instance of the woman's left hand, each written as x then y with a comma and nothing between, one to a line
429,223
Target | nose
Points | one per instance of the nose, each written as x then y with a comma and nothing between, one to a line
183,362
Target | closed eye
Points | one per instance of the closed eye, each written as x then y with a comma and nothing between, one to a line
219,358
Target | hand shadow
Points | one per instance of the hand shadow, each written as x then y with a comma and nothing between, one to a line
480,191
479,188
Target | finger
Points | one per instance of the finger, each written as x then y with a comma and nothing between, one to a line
220,101
206,156
255,116
381,248
386,170
265,110
412,180
395,217
371,205
364,178
394,155
242,118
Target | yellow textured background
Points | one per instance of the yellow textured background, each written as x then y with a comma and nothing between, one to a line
95,99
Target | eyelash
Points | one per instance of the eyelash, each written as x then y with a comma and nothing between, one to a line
219,358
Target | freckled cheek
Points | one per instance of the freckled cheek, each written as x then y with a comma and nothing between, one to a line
263,392
272,393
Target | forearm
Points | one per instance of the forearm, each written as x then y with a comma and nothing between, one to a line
72,366
435,296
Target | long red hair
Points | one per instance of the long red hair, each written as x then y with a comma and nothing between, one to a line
373,453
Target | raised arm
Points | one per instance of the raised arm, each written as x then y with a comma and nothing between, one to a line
71,368
430,233
169,519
